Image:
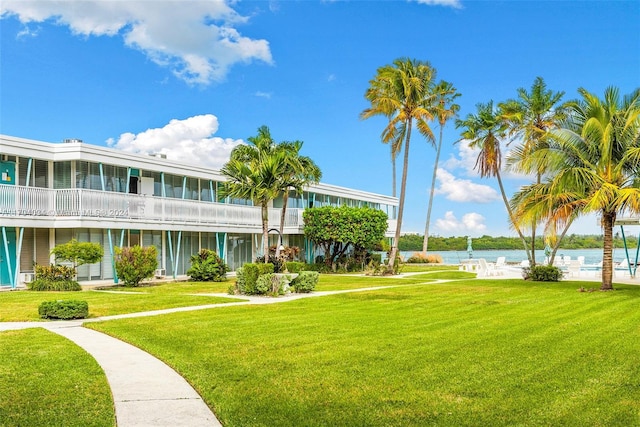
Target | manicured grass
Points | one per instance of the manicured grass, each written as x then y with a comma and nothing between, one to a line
464,353
46,380
410,268
23,305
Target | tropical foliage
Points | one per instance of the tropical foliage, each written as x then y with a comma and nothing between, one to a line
593,165
402,93
530,117
444,109
485,131
263,170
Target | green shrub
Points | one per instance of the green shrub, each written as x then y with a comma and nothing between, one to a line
273,284
54,278
207,266
306,281
63,309
247,277
294,266
134,264
321,268
376,258
542,273
266,268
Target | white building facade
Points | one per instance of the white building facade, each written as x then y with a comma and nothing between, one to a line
53,192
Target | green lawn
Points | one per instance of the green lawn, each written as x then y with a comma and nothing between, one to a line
46,380
23,305
469,352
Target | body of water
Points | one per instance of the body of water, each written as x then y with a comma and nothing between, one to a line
591,256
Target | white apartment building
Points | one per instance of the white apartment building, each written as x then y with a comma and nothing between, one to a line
53,192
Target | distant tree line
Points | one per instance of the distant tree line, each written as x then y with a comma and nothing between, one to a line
413,242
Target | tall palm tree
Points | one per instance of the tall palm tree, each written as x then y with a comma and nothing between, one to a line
594,162
484,131
254,172
444,109
299,171
402,92
531,116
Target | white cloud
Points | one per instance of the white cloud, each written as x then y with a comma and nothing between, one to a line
466,159
188,141
266,95
451,3
471,223
195,39
463,190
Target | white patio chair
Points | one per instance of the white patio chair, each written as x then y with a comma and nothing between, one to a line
501,261
573,269
485,268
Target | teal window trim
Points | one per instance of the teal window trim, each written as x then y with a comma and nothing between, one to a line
113,258
29,163
8,258
100,168
126,185
18,252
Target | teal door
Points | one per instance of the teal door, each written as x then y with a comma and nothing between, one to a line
8,263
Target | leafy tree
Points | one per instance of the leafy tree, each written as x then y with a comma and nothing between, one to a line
531,116
403,93
594,165
337,230
444,109
78,253
136,263
485,131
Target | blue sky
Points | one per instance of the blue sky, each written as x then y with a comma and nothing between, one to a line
195,78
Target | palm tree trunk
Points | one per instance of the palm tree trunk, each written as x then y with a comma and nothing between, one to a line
265,231
285,200
511,217
533,232
403,187
608,219
557,245
425,242
393,172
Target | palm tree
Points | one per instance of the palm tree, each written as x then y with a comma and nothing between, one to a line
254,172
484,131
402,92
444,109
531,116
594,167
299,172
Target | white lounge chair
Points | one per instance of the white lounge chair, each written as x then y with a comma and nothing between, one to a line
524,263
501,261
573,269
485,268
581,259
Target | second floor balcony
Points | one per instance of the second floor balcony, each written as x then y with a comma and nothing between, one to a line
43,207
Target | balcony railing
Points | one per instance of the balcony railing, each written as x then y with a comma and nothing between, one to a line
19,202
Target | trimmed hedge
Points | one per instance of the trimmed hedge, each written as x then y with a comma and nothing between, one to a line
542,273
305,282
63,309
54,278
247,277
294,266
